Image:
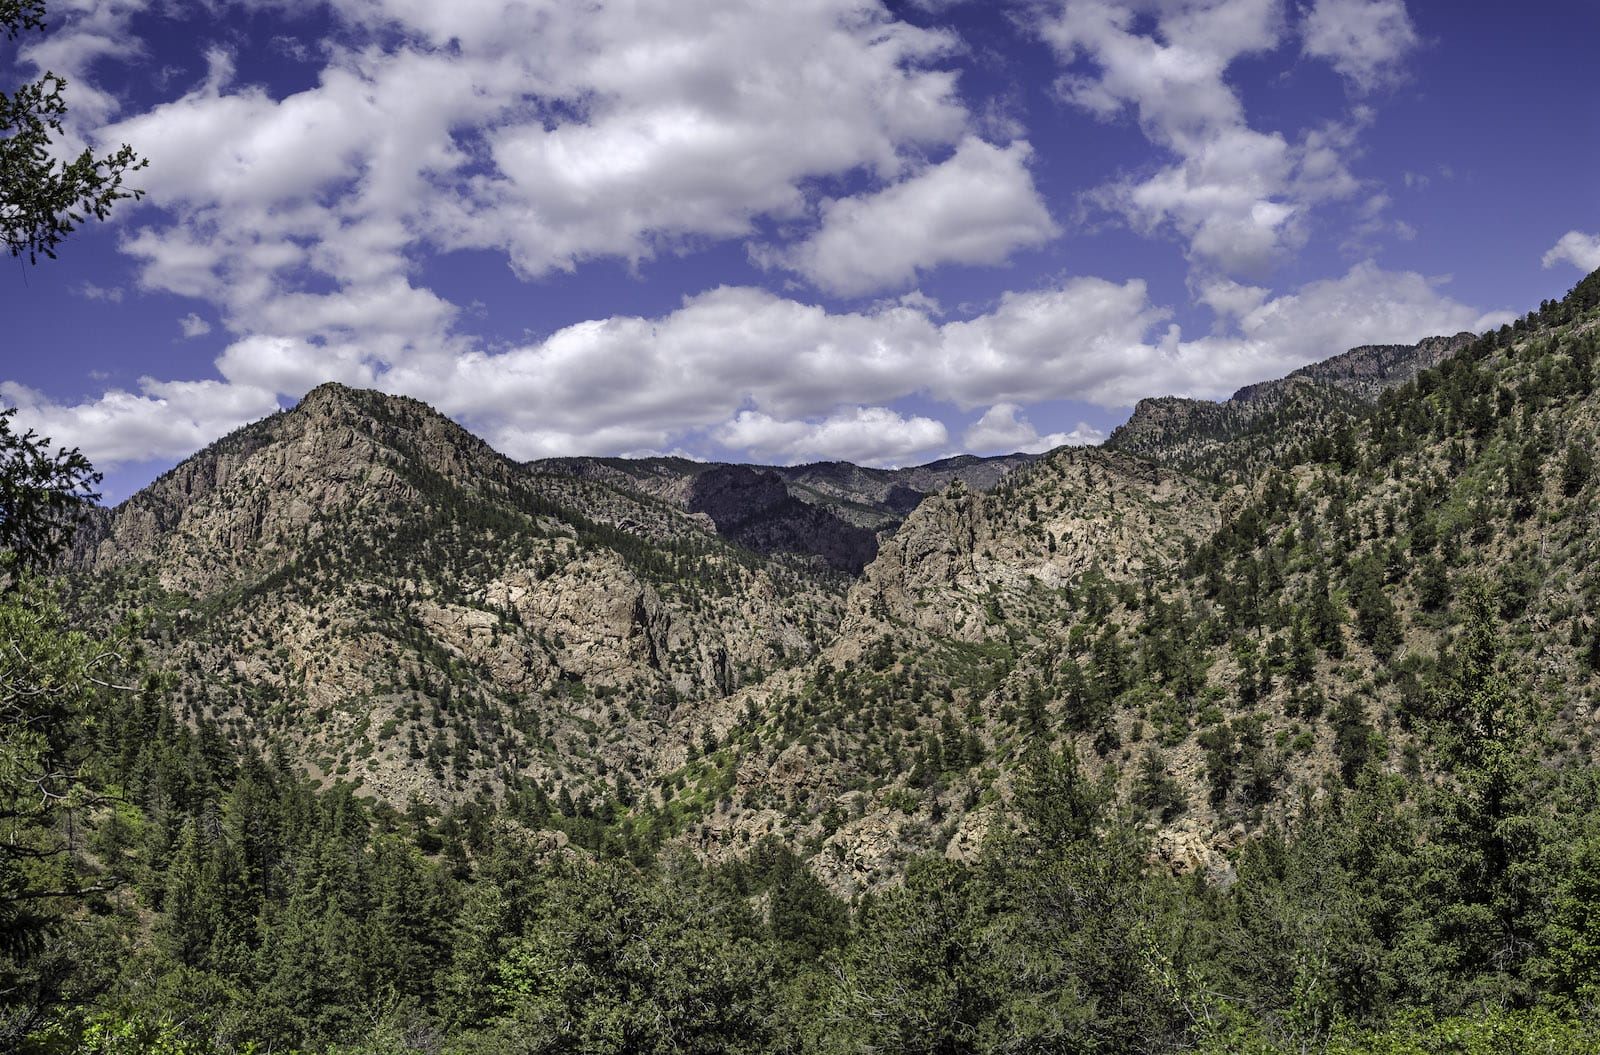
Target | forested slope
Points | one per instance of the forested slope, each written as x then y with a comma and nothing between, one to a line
1112,758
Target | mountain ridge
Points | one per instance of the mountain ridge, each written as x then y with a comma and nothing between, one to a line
475,627
1295,753
1262,422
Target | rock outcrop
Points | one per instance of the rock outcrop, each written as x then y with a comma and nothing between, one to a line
1262,422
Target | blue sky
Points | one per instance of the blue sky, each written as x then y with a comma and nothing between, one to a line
785,230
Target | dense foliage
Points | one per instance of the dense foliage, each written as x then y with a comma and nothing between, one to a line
223,901
42,492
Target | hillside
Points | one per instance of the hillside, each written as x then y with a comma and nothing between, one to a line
1264,422
830,510
1291,748
363,584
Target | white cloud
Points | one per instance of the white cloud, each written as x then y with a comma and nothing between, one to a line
695,367
1174,77
785,380
977,207
166,419
1576,248
1004,428
1227,199
865,435
112,294
1239,197
559,133
920,301
292,367
78,33
1365,40
553,133
1086,339
1366,305
700,118
1231,300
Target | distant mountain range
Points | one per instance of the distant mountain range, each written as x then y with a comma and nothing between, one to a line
830,510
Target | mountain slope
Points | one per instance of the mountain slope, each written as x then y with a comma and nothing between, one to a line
829,510
362,581
1114,757
1262,423
1216,646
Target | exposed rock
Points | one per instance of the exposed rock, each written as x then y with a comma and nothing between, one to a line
1370,369
1185,850
846,503
960,557
966,845
1263,421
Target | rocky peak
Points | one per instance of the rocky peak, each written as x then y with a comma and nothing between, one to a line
286,476
1261,422
1371,368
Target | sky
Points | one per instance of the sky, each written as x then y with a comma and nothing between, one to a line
783,231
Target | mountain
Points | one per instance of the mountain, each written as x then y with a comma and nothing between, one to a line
363,582
1262,422
1275,734
830,510
1226,602
1372,369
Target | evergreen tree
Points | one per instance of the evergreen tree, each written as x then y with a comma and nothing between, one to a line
1489,819
618,963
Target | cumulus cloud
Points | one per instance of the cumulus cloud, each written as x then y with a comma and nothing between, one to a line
1086,339
701,118
555,134
164,419
1366,305
291,366
977,207
1576,248
870,435
1004,428
720,351
1238,196
1365,40
1231,300
193,325
780,379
